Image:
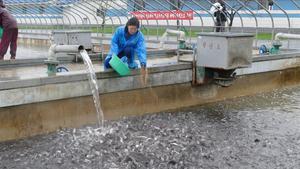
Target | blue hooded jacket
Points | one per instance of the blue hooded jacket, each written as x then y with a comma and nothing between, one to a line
136,41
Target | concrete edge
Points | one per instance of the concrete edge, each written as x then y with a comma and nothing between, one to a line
277,56
71,57
50,92
81,76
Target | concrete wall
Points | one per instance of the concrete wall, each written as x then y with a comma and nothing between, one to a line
26,91
35,106
47,116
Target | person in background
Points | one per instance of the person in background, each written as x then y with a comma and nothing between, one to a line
270,3
127,41
221,15
10,32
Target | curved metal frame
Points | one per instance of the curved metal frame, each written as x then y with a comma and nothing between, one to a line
142,14
112,21
202,23
80,17
256,22
92,14
272,19
232,9
237,12
167,21
84,14
199,5
288,19
176,17
81,14
31,16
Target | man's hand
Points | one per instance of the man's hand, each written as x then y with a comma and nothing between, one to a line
144,76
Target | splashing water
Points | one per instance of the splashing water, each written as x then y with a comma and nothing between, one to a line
259,131
93,84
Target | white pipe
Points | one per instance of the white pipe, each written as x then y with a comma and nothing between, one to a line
62,49
68,48
279,36
51,53
181,35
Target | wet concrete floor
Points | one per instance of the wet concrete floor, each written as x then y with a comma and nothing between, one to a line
38,71
29,51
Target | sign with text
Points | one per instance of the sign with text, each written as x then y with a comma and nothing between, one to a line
164,15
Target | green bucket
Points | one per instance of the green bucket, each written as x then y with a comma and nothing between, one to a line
119,66
1,32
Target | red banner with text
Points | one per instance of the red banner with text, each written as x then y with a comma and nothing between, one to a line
164,15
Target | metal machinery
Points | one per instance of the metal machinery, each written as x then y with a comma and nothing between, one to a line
220,54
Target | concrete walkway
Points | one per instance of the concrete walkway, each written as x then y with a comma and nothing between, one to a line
39,71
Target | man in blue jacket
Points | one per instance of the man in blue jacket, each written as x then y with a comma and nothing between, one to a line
126,42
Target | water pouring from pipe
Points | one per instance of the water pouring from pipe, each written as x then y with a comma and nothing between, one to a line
52,63
93,84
